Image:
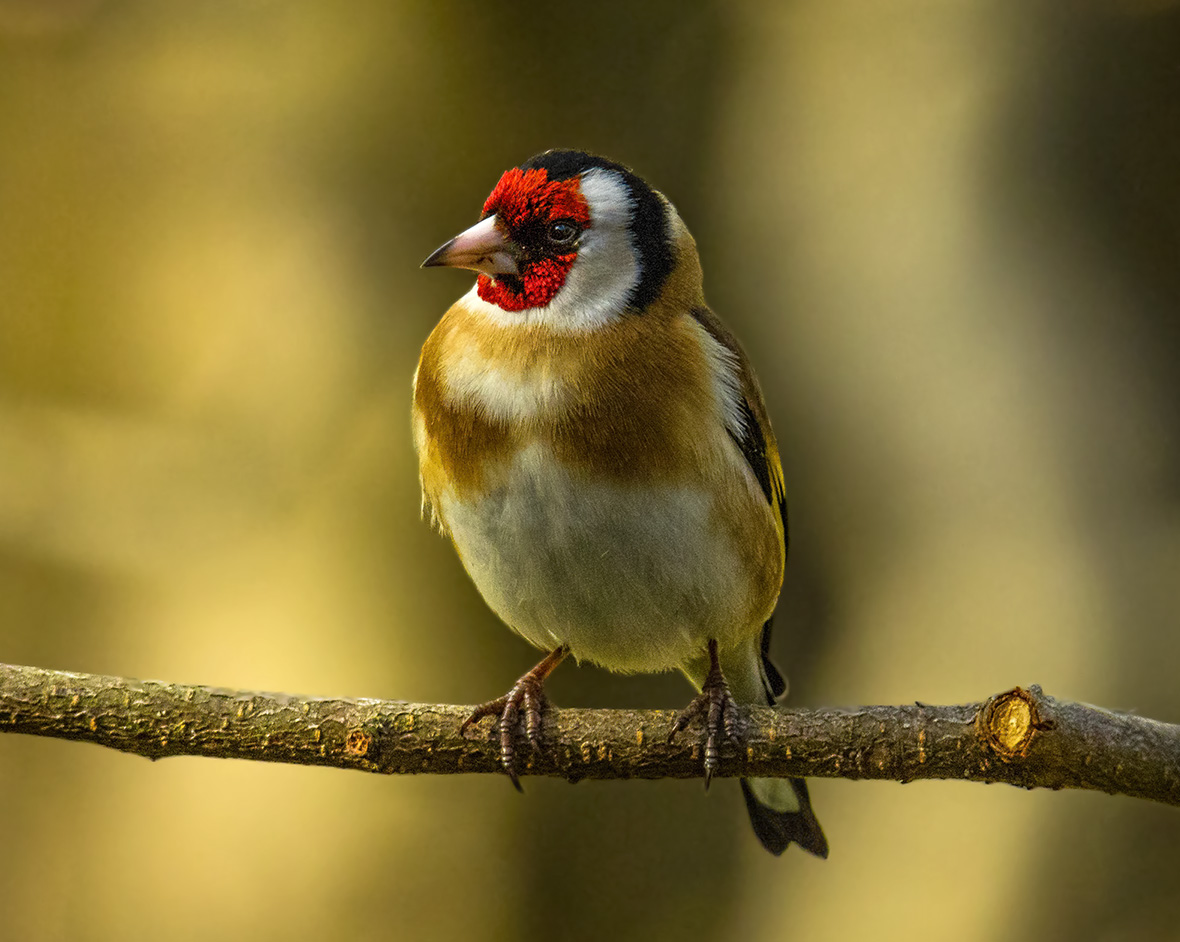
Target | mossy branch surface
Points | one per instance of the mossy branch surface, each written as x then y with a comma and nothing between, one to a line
1021,737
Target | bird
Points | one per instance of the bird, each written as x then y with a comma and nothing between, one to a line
595,444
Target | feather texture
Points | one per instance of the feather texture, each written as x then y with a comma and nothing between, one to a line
594,483
603,460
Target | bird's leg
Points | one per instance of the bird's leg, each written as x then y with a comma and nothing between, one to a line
716,707
528,696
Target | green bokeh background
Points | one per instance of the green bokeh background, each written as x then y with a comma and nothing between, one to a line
949,236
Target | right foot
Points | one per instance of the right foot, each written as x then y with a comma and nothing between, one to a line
717,710
527,696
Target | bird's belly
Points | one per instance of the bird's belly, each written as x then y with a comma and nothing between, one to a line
635,578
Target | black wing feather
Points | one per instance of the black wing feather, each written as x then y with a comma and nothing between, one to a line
752,444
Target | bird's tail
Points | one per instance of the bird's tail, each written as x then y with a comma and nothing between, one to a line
780,811
779,808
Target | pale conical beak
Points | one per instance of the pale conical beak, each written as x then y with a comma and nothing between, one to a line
481,248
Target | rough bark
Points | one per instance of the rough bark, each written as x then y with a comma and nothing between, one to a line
1022,737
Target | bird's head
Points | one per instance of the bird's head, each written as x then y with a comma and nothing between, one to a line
575,237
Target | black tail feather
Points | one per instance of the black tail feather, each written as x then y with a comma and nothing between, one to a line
777,829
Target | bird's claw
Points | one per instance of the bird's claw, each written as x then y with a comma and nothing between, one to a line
720,714
527,697
523,698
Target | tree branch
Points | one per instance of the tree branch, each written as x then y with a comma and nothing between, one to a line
1021,737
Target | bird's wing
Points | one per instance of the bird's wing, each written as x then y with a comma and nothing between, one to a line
749,427
748,424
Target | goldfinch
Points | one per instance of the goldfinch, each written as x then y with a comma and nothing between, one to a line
594,442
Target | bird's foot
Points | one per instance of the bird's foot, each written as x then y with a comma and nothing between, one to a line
717,710
526,697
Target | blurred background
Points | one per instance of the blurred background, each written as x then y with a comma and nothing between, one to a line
949,235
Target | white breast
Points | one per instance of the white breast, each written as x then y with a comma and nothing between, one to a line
529,391
634,579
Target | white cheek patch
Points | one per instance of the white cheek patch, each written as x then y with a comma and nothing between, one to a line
607,267
604,274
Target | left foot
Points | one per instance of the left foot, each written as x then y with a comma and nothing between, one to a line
527,696
719,712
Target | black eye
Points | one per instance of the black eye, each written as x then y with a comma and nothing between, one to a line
562,231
